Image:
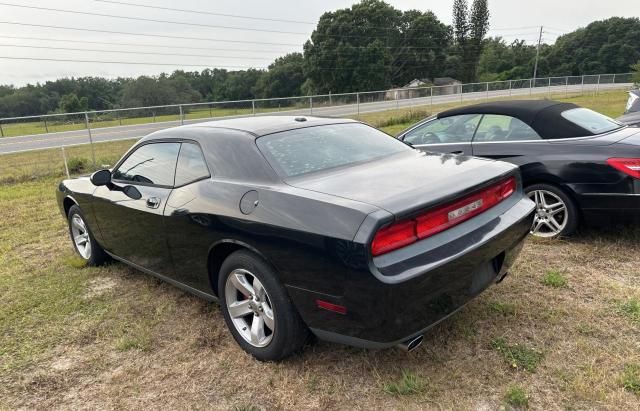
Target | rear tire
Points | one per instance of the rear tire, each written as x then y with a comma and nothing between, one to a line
257,308
83,240
556,213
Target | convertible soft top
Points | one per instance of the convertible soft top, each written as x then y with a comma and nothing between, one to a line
544,116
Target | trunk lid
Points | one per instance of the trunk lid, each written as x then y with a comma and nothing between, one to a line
406,182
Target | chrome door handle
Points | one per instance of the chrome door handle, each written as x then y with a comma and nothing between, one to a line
153,202
457,152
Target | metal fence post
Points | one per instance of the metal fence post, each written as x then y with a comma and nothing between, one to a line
181,115
549,88
509,88
613,81
582,86
1,130
310,105
461,94
566,86
46,128
64,158
487,91
358,104
431,99
598,85
210,112
530,86
154,116
93,151
253,107
119,118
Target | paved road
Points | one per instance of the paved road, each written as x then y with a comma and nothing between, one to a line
69,138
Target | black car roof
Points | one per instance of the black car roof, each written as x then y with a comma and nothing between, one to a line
544,116
263,125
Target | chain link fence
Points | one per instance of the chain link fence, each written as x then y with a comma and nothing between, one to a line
31,146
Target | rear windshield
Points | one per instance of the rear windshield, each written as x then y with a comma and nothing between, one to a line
311,149
596,123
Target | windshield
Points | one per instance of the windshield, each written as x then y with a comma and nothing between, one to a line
596,123
311,149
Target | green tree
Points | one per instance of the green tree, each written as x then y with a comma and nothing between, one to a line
70,103
373,46
283,79
502,61
469,29
606,46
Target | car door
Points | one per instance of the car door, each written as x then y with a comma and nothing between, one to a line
444,135
188,227
507,138
131,220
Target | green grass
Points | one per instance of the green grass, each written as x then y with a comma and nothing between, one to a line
517,397
630,309
505,309
554,279
408,384
518,356
631,378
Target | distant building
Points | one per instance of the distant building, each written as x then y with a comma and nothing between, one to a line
404,92
420,88
446,85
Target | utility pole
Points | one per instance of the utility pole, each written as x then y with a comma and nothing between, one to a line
535,67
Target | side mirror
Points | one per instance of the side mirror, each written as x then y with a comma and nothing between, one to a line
101,178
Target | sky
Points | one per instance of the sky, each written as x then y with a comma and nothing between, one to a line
238,46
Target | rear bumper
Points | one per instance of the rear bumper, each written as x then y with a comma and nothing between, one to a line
406,297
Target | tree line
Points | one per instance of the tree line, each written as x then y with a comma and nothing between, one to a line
369,46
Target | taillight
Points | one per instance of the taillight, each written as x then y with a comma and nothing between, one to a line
405,232
630,166
394,236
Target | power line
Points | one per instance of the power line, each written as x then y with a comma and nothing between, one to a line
130,52
86,13
184,23
139,44
142,63
205,12
165,36
181,64
149,6
148,35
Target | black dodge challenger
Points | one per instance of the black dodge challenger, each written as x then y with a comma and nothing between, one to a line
305,225
575,163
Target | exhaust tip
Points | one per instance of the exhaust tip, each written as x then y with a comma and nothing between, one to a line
411,344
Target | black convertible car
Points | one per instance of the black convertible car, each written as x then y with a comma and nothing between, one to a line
575,163
301,225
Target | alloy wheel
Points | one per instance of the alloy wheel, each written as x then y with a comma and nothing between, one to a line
81,236
551,214
249,307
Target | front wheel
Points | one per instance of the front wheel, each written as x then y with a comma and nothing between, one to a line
556,213
83,241
257,308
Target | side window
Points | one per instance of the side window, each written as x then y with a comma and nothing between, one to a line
191,165
153,163
494,127
455,129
